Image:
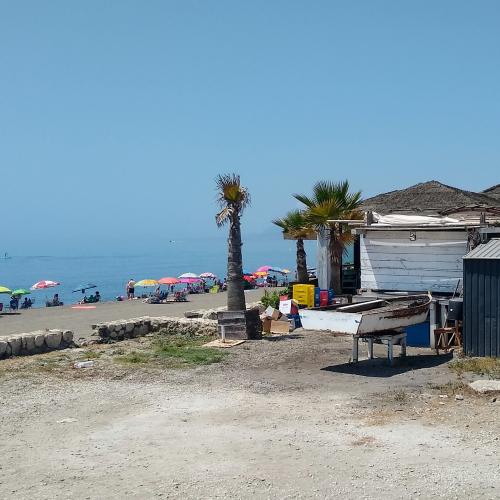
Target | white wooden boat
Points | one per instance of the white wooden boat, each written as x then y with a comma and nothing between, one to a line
371,317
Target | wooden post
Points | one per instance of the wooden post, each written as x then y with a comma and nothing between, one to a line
324,261
432,324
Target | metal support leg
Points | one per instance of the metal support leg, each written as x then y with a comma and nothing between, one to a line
370,348
403,347
390,351
355,345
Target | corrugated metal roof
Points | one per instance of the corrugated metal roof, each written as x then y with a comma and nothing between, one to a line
490,250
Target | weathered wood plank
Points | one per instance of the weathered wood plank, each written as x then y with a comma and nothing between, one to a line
391,261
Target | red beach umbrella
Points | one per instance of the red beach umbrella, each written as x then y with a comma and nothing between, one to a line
40,285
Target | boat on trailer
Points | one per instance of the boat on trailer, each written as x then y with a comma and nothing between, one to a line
370,317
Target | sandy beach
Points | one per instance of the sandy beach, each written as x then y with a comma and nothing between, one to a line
80,320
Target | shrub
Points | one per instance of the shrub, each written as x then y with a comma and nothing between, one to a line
272,298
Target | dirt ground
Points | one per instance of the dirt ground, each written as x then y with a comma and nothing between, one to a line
285,417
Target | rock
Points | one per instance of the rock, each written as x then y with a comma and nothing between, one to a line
67,420
129,327
3,347
485,386
68,336
210,314
28,340
143,330
53,339
39,338
493,400
193,314
15,343
459,397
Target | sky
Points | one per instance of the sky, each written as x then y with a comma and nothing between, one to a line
116,116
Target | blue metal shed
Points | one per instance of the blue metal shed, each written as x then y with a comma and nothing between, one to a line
481,328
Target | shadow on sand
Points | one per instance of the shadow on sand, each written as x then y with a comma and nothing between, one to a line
378,367
277,338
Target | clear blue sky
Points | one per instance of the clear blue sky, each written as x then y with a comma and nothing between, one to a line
115,116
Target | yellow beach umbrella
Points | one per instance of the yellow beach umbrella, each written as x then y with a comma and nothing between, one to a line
286,271
4,289
146,283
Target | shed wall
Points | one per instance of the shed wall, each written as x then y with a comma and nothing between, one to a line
390,260
482,307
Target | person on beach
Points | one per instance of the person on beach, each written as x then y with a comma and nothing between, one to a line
130,289
97,296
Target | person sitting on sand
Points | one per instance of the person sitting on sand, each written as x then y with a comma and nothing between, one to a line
14,303
97,296
130,289
56,301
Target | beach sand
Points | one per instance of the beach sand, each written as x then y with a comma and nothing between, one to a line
80,320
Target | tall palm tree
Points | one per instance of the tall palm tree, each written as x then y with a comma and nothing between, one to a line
233,198
295,225
333,201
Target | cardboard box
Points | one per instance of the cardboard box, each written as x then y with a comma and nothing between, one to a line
289,307
272,313
266,325
280,326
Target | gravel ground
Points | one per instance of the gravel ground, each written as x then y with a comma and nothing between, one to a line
285,417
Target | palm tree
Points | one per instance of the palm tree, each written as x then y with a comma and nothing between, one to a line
333,201
295,225
233,198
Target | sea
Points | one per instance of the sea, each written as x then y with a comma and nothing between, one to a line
111,272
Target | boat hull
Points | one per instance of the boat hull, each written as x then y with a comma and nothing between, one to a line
363,323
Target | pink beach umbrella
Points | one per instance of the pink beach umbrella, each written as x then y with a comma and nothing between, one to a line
190,281
263,269
40,285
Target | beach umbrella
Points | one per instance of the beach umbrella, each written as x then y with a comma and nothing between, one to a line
260,274
208,275
190,281
286,271
147,283
263,269
168,281
21,291
4,289
188,275
40,285
250,279
82,288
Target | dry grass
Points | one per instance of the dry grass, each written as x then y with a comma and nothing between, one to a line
489,367
115,360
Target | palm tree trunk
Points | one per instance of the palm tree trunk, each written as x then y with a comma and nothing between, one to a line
336,256
235,290
302,275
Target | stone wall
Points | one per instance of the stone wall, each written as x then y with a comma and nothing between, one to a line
24,344
138,327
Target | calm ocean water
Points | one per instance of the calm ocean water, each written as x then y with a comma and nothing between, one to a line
111,272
